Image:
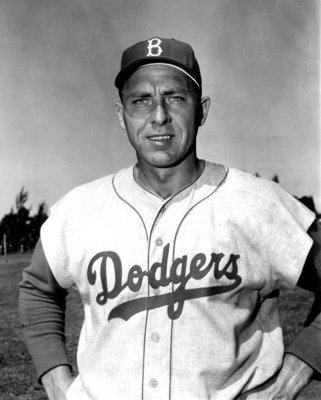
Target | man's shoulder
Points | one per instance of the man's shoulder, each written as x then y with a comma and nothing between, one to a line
92,189
260,195
250,185
90,193
240,183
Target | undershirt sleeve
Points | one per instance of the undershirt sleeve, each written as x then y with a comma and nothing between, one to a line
42,303
307,344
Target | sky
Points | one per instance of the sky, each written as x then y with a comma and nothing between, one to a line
260,64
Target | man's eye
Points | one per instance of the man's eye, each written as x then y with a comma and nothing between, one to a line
141,102
176,99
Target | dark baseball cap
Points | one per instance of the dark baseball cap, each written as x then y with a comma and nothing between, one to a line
157,50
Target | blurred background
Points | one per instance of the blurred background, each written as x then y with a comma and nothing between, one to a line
260,65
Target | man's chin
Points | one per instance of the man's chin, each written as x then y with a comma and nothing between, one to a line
161,161
162,164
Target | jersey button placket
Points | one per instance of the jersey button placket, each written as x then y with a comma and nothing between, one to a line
158,329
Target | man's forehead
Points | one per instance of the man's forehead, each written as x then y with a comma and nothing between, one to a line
153,74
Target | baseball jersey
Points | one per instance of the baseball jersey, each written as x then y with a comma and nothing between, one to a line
179,294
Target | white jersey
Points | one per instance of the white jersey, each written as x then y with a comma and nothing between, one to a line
179,294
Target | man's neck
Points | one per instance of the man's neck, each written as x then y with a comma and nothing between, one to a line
165,182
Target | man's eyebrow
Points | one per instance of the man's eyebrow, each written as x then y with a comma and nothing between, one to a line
139,93
147,93
173,90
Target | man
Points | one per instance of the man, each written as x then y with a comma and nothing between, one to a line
178,261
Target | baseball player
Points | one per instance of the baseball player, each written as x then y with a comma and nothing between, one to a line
178,261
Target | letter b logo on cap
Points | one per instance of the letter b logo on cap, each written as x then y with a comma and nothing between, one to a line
154,48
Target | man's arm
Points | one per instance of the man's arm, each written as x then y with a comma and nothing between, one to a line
42,304
303,358
307,345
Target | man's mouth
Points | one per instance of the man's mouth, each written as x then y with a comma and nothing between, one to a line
160,138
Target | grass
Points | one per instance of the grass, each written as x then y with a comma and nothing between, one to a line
18,380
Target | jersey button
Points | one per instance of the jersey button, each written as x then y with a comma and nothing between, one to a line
153,382
159,242
155,337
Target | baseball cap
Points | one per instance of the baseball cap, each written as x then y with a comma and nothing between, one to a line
157,50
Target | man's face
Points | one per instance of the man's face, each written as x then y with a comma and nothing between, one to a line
161,112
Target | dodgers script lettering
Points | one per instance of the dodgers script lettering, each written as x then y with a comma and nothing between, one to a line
159,275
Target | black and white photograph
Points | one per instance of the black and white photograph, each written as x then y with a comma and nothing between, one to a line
160,200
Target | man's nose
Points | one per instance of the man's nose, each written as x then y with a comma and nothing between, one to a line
160,115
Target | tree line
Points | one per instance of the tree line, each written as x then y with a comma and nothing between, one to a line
19,230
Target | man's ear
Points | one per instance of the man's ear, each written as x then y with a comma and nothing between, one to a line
120,115
205,104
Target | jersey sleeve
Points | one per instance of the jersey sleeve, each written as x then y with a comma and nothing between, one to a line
285,238
57,238
42,313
